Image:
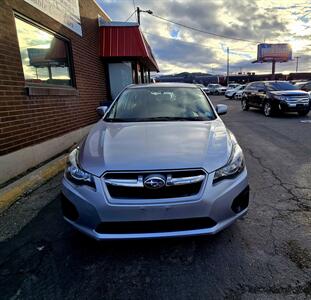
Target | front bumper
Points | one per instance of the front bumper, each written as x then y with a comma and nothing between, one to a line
288,107
221,92
91,210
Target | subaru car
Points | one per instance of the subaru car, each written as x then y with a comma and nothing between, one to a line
159,163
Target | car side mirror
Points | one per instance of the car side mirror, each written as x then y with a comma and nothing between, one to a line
101,110
221,109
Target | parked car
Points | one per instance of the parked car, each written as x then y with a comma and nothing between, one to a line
230,93
213,88
239,93
204,88
160,163
221,90
275,96
231,86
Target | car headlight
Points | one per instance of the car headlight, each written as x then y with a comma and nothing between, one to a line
75,174
234,166
279,97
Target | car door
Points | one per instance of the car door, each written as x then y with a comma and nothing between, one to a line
249,93
260,94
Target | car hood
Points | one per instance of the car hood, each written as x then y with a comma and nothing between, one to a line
155,146
290,93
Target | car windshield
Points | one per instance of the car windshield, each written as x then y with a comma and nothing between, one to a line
161,104
280,86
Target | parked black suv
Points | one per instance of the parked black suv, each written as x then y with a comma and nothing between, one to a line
275,96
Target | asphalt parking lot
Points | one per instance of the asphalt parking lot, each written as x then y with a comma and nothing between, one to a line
266,255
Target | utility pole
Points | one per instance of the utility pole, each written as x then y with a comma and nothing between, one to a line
138,15
273,69
227,65
297,59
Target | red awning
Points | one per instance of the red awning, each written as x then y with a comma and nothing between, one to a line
126,40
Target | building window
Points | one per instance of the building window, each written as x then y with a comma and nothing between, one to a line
45,56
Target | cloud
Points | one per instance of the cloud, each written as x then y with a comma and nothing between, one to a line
180,49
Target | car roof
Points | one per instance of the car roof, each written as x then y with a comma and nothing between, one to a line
301,82
163,84
270,81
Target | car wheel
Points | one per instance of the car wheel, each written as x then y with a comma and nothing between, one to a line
303,113
244,104
267,109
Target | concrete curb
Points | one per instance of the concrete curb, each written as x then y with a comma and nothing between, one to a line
10,193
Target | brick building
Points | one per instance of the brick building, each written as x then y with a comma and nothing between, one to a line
54,73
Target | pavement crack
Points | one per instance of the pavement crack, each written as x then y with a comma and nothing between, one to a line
279,182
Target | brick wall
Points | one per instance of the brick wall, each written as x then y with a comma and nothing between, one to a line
28,120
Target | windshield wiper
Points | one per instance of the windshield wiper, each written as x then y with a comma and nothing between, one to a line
155,119
176,119
122,120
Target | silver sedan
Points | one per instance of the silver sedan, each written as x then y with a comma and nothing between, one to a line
159,163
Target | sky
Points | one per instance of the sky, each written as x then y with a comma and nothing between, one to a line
178,49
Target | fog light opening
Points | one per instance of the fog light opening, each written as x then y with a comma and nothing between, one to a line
241,201
69,210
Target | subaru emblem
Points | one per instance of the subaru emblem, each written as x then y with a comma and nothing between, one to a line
154,181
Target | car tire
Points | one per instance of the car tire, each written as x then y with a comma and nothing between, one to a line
267,109
303,113
244,104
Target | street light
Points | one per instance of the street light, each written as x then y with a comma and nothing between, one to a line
138,10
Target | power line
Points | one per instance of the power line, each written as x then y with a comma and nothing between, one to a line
134,6
201,46
130,15
204,31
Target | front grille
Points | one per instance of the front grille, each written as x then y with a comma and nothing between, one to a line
298,100
130,185
154,226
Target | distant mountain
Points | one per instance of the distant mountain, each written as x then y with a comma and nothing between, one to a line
188,74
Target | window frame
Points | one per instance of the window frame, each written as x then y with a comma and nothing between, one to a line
261,86
307,86
251,86
67,41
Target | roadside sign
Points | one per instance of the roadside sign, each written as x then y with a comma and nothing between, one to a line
274,52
